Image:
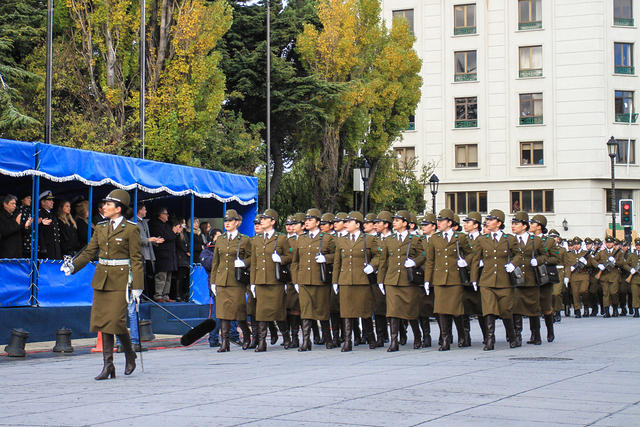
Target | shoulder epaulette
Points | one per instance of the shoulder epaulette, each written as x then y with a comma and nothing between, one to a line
103,222
132,223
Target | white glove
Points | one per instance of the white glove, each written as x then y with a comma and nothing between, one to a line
475,286
601,267
534,262
509,267
297,287
462,263
368,269
572,268
275,257
335,288
566,281
612,259
408,263
214,290
320,259
481,263
67,269
239,263
381,287
582,260
285,289
135,293
253,290
426,287
632,271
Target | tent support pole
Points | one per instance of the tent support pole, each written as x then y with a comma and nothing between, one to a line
90,219
35,213
192,201
135,205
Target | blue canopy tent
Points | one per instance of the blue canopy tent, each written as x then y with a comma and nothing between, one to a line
70,172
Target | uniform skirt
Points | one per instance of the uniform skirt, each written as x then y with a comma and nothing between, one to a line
379,301
314,301
109,312
526,301
448,300
426,303
497,301
403,302
546,298
231,303
472,301
356,301
334,303
251,302
270,303
292,300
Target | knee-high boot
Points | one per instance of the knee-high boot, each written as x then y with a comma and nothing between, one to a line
517,326
326,333
225,326
294,322
457,320
395,325
273,331
490,326
255,333
357,335
129,353
548,321
367,323
284,329
403,331
262,337
335,328
511,332
246,334
417,336
426,332
482,321
347,345
108,370
381,328
446,321
534,325
317,338
306,335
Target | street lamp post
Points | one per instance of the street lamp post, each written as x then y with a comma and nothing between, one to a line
612,148
433,184
364,173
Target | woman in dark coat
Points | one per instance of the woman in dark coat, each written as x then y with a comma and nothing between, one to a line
69,242
166,257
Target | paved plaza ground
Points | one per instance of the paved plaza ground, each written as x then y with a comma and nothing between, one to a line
589,376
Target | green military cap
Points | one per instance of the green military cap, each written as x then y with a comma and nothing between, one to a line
403,215
299,217
609,239
588,241
618,242
119,196
256,220
625,243
384,216
522,217
553,233
327,218
539,219
232,215
496,214
576,241
290,220
429,218
271,214
597,241
314,213
637,241
371,217
340,216
413,218
473,216
355,216
446,214
456,219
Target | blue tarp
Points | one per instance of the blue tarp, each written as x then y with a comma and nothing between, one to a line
57,290
15,281
199,285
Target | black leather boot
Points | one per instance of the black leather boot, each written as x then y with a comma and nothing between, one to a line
417,336
511,333
294,322
129,353
357,335
482,321
534,325
225,326
517,327
273,331
457,320
246,334
466,325
317,338
368,332
490,326
446,324
548,321
306,335
255,333
606,312
335,328
326,333
426,332
381,328
577,314
636,312
615,310
347,345
284,329
395,325
108,370
403,331
262,337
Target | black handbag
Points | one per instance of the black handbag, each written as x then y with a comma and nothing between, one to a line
283,274
242,273
326,270
465,275
373,277
546,274
415,275
516,277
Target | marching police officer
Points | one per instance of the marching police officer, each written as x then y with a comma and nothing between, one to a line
607,262
295,228
577,277
382,225
471,298
633,278
117,243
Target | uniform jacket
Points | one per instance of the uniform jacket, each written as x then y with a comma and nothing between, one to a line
494,257
610,274
121,243
570,259
304,268
223,272
533,248
262,266
349,260
393,253
441,266
49,236
631,261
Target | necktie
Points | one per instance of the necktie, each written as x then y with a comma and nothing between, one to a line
495,236
522,240
353,237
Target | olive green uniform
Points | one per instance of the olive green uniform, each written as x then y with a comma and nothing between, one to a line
578,278
610,276
230,300
633,262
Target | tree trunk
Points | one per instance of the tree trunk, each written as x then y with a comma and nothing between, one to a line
327,174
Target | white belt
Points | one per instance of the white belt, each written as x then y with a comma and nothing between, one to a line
113,262
559,267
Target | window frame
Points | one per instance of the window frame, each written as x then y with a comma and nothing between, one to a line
532,119
479,197
529,72
622,116
466,28
622,148
466,75
543,193
401,155
397,13
467,150
530,24
532,150
466,121
623,21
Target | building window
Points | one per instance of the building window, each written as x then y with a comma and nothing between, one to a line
531,61
467,156
623,53
532,200
467,112
406,14
467,201
530,108
466,69
620,194
626,151
529,14
623,13
464,19
405,156
624,107
531,153
412,123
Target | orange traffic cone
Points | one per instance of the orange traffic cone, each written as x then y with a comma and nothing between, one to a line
98,347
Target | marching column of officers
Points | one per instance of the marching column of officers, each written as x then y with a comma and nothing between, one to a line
366,279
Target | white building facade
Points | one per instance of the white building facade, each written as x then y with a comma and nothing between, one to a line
519,98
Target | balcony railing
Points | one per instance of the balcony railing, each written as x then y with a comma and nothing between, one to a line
624,69
466,77
623,22
624,118
537,120
471,123
532,25
531,73
458,31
